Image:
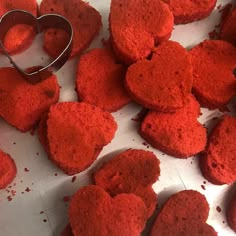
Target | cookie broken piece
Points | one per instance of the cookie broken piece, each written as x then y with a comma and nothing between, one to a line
132,171
93,212
76,133
218,162
137,26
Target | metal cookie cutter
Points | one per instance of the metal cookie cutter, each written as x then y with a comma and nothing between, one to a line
39,24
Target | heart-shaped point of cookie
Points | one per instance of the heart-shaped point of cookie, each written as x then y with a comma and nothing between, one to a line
184,213
137,25
132,171
93,212
179,133
15,17
164,82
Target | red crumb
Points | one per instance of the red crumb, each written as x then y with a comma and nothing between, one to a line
44,220
56,174
9,198
204,182
41,212
13,192
26,170
66,198
73,179
140,116
223,221
203,187
144,143
218,209
213,34
219,7
27,189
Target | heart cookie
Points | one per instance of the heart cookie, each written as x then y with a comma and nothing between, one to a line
136,26
184,213
93,212
22,103
178,134
164,82
132,171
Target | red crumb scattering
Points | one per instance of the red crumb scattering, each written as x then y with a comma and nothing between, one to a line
132,171
218,161
63,121
7,169
203,187
27,189
190,11
218,209
157,89
100,80
96,202
175,218
9,198
85,20
133,37
214,82
175,133
26,170
22,103
73,179
66,198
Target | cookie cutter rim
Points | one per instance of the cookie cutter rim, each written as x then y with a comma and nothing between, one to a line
40,24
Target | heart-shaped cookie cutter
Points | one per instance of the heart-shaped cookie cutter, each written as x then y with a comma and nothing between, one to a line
39,24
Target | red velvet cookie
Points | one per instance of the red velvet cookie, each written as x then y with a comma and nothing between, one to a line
231,212
76,133
214,83
218,163
93,212
132,171
137,26
100,80
191,10
22,103
85,20
178,134
184,213
7,169
164,82
228,27
19,37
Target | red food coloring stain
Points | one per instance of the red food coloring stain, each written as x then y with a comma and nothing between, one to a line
26,170
56,174
44,220
27,189
73,179
9,198
218,209
203,187
66,199
41,212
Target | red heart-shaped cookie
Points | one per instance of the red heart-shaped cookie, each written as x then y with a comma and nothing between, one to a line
22,103
86,22
93,212
164,82
76,133
218,162
136,26
132,171
178,134
20,36
100,80
183,214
